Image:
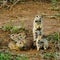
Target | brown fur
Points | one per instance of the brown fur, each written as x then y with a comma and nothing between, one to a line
25,44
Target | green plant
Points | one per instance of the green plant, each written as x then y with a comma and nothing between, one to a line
54,8
8,56
21,58
4,56
15,29
12,1
6,27
50,56
53,37
58,15
54,2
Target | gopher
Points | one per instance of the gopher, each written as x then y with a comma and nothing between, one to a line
24,44
41,42
36,26
17,37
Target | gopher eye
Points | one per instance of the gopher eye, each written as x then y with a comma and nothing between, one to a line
37,16
39,20
36,21
12,35
41,42
20,35
20,42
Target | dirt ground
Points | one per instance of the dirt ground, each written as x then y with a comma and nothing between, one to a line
24,12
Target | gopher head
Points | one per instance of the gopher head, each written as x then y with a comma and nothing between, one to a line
17,37
21,44
37,19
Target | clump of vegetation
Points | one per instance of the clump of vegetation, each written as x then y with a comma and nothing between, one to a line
13,1
58,15
15,29
52,17
12,29
6,27
54,5
53,37
54,8
21,58
8,56
5,56
54,55
54,2
58,55
50,56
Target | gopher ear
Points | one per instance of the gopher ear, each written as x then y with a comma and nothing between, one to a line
12,35
37,16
